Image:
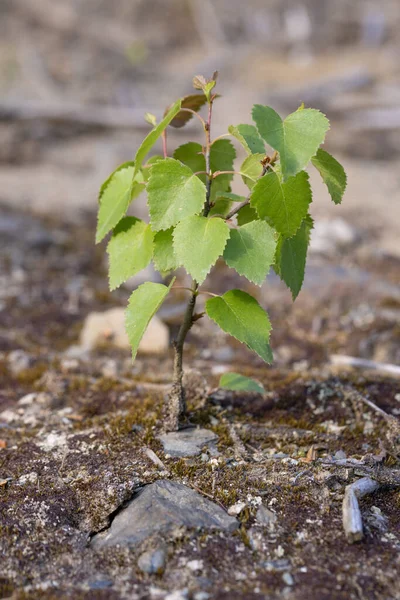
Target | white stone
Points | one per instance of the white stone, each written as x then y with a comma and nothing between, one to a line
195,565
236,509
109,327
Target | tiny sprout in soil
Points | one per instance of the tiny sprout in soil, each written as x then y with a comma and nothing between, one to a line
195,219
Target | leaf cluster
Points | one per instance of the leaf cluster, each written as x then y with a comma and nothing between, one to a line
196,219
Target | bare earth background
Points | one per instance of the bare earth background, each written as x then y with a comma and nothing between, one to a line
75,80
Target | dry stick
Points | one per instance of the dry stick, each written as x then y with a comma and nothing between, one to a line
352,520
352,361
154,458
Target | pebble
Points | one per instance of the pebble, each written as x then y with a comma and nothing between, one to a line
236,509
109,327
265,516
189,442
152,561
177,595
28,478
195,565
201,596
288,579
18,361
159,507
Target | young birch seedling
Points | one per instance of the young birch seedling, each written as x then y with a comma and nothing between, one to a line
195,219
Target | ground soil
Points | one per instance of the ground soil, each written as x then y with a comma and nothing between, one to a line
75,454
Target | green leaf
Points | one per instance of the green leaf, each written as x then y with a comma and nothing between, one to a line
222,156
332,173
240,383
251,169
143,304
130,250
191,155
251,250
193,102
240,315
292,255
153,136
223,203
164,254
174,193
249,137
198,243
297,138
149,163
246,215
129,163
283,205
116,194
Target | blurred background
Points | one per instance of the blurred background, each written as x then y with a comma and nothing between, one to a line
76,78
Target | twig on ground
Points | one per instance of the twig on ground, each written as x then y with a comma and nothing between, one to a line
154,458
341,360
352,520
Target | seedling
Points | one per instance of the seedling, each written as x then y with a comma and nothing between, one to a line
195,219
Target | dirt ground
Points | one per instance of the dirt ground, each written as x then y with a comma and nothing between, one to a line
74,453
74,428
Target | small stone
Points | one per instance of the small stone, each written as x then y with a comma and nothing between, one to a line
177,595
109,327
276,565
288,579
34,398
339,455
100,584
188,442
159,507
201,596
153,561
265,516
195,565
28,478
18,361
236,509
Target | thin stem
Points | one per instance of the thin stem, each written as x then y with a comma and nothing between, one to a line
207,153
235,210
193,112
218,173
220,137
176,399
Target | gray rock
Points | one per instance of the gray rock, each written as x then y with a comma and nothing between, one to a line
159,507
264,516
188,442
288,579
152,561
